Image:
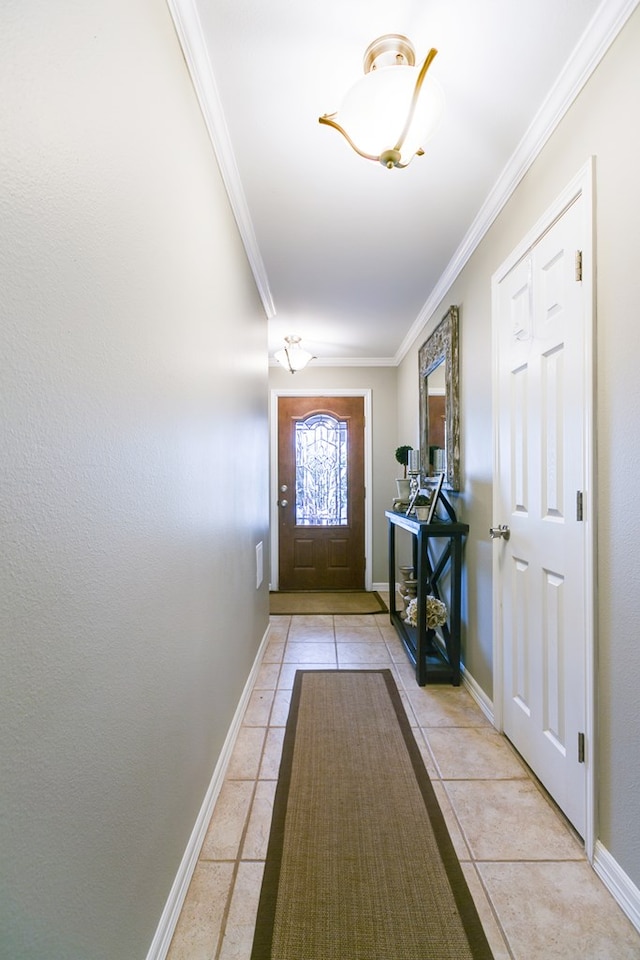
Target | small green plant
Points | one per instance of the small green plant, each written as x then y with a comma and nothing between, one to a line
402,456
422,500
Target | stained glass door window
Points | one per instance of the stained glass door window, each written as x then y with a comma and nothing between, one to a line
321,471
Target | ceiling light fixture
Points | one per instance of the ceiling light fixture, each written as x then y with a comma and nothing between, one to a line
387,117
293,357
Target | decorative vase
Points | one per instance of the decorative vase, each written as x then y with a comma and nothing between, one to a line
410,592
408,586
404,488
422,513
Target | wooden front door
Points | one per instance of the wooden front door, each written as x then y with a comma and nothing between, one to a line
321,493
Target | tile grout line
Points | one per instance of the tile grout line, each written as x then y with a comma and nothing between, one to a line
492,908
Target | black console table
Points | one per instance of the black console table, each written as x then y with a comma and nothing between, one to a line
434,662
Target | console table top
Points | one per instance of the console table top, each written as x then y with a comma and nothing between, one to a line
439,528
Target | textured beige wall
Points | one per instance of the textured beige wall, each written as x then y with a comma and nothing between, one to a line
382,383
602,123
134,474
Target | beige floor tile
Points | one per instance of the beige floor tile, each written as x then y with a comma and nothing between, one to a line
313,621
222,841
257,836
310,652
445,706
358,634
396,648
259,708
560,911
398,653
200,922
278,630
408,709
280,710
407,674
311,628
427,756
267,678
371,654
510,820
270,766
349,620
311,636
489,923
238,935
473,753
274,651
245,758
384,622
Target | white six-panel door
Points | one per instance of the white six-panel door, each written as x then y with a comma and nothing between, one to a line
542,494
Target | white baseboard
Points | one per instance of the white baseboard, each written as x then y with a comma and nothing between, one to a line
619,885
384,587
478,694
175,901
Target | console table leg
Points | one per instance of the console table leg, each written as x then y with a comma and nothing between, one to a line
456,597
392,571
421,641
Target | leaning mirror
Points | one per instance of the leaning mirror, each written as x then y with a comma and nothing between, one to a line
439,412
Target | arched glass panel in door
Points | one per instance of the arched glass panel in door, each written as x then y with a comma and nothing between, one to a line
321,471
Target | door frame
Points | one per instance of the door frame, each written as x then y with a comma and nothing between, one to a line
582,186
275,394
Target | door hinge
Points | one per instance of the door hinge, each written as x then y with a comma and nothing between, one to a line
581,748
579,506
578,264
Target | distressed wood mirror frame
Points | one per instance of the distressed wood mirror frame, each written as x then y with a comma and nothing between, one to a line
442,347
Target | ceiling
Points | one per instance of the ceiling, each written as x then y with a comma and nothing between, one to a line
348,255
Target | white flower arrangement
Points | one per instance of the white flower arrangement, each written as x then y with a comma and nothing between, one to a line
436,613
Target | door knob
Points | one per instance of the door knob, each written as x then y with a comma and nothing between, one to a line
502,531
283,503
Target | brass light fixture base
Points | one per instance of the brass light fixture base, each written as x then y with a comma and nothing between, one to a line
392,49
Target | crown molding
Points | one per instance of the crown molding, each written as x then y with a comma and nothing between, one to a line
604,27
347,362
189,30
600,33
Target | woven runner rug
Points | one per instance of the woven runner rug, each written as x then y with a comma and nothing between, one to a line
326,601
360,865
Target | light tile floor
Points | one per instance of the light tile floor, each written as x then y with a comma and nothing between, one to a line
536,894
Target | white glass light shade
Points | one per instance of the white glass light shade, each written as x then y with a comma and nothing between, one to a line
293,357
375,110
